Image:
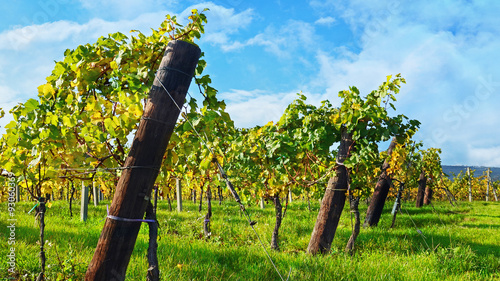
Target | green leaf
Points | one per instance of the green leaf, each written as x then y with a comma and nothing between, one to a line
205,164
31,105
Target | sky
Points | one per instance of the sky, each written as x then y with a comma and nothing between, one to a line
260,54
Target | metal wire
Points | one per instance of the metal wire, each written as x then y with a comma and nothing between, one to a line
192,126
418,230
224,175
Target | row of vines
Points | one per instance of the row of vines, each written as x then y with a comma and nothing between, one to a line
79,129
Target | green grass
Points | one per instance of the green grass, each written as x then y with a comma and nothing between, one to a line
461,243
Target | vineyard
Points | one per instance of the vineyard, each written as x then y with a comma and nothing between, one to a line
132,124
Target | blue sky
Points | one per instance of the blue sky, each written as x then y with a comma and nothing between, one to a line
261,53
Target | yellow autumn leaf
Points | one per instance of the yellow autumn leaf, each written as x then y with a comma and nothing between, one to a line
46,90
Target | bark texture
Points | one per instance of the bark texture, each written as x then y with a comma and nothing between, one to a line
208,216
428,195
332,204
422,182
278,208
118,237
382,187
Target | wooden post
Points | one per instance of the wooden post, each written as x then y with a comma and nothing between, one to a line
262,203
193,195
381,191
133,190
178,189
333,202
153,267
101,195
208,216
95,191
488,185
18,195
290,195
41,217
219,190
84,203
278,208
470,187
422,183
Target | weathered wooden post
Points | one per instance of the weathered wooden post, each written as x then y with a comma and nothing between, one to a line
422,183
374,211
41,216
290,195
141,167
470,187
95,192
488,185
262,204
84,203
18,195
333,202
178,189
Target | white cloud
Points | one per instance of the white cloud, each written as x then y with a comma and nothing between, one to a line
24,38
325,21
8,101
484,156
281,41
251,108
446,52
222,22
257,107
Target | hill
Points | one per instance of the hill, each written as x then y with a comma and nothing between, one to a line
450,170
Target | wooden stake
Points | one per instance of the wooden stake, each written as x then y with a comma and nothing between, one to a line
422,182
95,193
470,187
178,187
488,185
41,217
374,211
142,165
153,269
333,202
18,195
84,203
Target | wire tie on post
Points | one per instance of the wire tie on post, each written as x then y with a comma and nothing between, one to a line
33,208
174,69
141,167
126,219
155,120
333,189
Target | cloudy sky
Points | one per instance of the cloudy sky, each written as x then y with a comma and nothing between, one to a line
261,53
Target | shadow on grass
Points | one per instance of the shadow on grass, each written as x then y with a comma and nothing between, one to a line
403,239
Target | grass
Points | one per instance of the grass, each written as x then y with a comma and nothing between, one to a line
458,243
